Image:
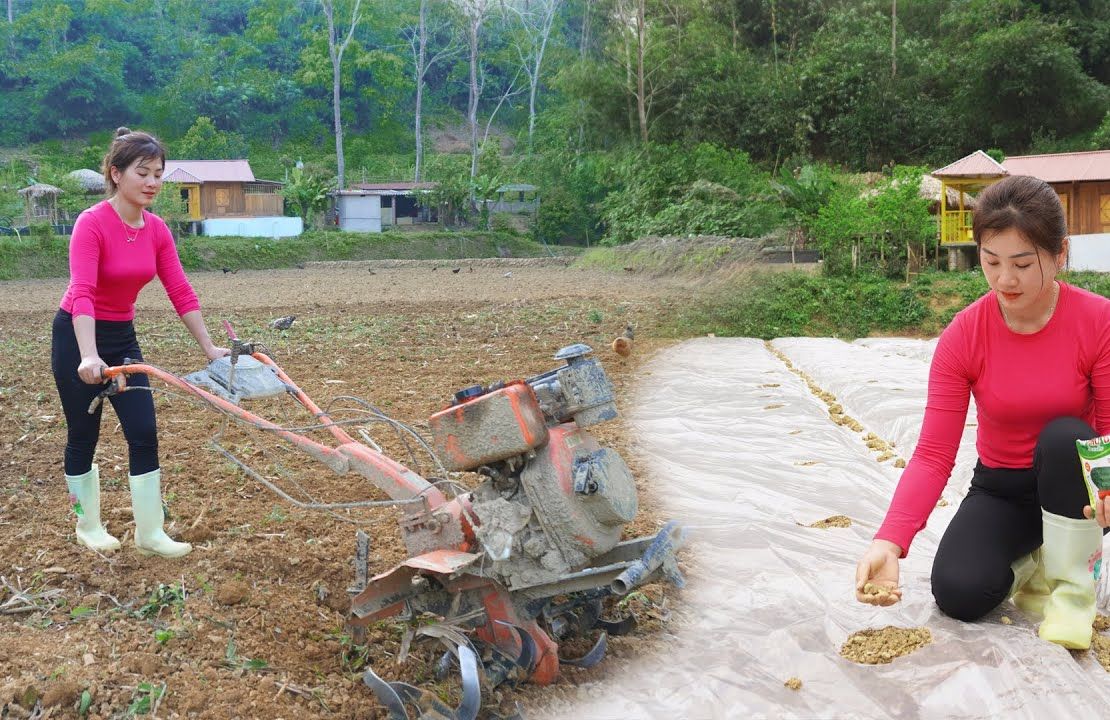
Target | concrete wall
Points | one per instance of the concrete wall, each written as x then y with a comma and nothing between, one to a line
271,227
360,213
1090,252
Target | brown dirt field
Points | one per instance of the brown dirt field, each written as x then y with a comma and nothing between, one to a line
266,581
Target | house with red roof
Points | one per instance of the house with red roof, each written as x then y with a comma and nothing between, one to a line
1081,181
224,197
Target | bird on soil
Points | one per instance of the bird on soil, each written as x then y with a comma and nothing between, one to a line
622,344
456,270
283,323
229,270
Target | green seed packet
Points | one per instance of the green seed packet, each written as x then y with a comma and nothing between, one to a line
1094,457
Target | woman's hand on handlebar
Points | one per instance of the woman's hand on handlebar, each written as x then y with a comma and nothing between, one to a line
91,370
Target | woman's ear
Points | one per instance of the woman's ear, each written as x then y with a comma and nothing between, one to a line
1062,258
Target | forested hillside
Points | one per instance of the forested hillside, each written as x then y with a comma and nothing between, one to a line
725,92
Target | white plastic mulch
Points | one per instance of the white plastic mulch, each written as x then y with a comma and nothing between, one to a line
745,453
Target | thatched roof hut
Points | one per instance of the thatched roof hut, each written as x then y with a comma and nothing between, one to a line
930,190
88,180
40,203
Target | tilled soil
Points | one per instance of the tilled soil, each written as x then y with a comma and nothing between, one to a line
251,624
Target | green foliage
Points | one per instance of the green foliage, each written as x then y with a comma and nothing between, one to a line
787,304
144,698
171,597
803,193
874,223
25,258
235,662
204,141
451,198
307,191
171,207
1100,140
675,190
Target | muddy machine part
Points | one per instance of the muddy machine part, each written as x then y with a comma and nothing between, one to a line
546,520
511,567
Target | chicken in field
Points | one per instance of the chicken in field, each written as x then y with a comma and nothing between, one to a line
622,344
283,323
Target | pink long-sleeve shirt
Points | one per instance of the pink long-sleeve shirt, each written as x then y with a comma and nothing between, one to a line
106,272
1020,383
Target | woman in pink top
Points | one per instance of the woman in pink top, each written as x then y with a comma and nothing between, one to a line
116,248
1035,353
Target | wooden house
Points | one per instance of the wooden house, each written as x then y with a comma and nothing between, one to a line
224,198
1081,181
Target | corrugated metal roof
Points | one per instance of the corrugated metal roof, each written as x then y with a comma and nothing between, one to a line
208,171
977,164
1062,167
517,187
393,186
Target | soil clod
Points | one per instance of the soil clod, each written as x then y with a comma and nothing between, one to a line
835,521
878,647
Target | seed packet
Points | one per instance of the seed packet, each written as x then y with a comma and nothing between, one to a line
1094,457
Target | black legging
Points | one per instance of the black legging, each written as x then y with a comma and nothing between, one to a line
115,340
1000,520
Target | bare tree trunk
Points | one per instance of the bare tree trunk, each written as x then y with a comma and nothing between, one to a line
583,44
641,108
472,105
509,92
775,37
11,18
335,50
418,129
422,64
549,8
625,17
893,37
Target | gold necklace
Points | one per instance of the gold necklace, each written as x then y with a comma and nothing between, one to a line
129,232
1048,315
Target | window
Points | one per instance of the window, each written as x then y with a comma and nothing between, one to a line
260,189
1104,212
1064,203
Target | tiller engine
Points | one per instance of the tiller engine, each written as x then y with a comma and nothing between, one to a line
524,559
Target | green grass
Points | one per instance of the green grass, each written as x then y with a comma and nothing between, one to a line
785,304
46,256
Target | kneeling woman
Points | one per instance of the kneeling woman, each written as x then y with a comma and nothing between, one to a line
1035,353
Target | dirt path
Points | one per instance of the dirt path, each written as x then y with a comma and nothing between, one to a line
251,623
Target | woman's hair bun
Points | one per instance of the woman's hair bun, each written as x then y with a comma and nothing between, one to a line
121,131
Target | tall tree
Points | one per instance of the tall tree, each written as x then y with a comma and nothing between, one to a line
335,51
536,19
647,64
422,64
475,13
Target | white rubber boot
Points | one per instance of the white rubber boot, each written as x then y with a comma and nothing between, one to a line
84,498
1071,552
146,502
1030,590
